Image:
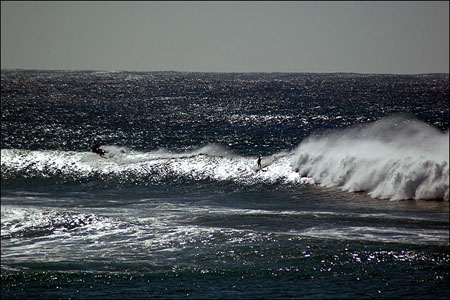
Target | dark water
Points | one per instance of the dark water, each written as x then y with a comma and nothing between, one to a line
351,200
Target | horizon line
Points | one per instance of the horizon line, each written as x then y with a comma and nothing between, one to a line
220,72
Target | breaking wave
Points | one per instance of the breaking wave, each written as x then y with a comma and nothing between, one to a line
122,166
396,158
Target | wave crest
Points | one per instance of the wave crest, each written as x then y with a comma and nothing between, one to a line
396,158
122,166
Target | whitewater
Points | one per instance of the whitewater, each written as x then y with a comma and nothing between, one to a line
394,158
350,201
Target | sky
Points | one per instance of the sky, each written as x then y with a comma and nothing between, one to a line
227,36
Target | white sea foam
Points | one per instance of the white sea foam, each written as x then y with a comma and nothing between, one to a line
396,158
380,234
210,162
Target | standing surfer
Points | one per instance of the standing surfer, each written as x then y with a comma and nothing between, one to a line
259,162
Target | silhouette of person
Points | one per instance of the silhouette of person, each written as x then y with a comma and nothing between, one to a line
259,162
96,149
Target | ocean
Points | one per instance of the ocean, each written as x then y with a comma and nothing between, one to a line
351,199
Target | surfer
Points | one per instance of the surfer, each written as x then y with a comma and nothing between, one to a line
259,162
96,149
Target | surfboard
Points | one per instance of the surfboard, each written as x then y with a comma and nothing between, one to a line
263,168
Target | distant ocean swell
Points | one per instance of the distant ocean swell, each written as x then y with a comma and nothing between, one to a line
394,158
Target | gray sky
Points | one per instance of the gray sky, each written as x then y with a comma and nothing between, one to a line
362,37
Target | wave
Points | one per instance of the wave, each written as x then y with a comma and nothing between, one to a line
122,166
396,158
28,222
76,226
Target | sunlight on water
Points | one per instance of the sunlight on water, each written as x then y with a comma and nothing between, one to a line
178,207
